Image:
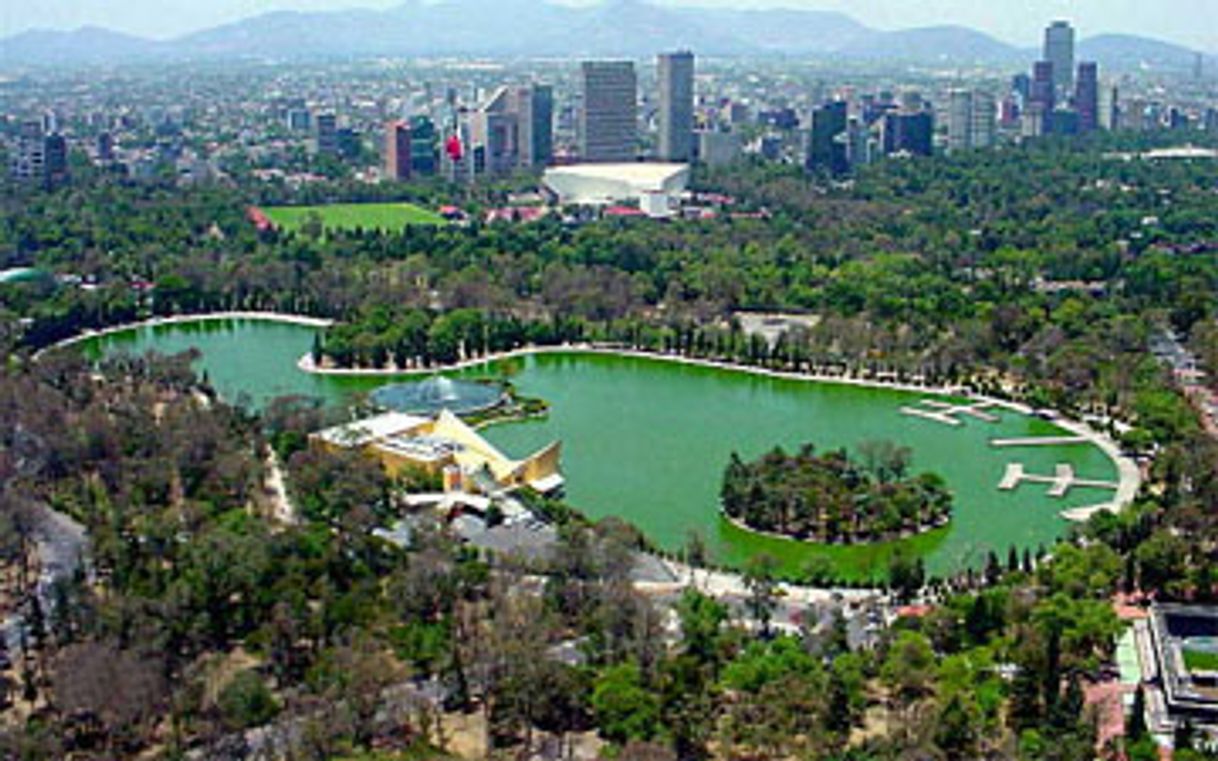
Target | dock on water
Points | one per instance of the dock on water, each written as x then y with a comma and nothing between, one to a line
1060,483
935,415
1038,441
976,409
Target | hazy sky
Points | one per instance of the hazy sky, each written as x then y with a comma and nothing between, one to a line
1190,22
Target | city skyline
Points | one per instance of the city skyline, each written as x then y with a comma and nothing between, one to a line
1019,23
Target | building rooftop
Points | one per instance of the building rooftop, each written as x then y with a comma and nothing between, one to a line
368,430
635,172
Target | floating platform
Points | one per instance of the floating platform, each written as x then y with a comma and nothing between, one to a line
1039,441
1060,483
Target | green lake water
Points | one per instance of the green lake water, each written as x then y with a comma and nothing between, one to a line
647,440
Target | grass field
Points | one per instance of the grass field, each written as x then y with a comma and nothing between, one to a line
1200,660
348,216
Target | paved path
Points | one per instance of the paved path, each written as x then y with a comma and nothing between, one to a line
1039,441
61,545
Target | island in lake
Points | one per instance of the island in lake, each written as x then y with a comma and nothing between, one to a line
835,498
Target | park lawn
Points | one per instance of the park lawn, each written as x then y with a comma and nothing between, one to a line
348,216
1200,660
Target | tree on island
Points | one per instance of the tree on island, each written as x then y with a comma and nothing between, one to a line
831,498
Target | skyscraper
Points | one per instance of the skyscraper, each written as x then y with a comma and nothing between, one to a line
39,157
1087,97
1110,108
397,151
494,128
55,151
28,162
422,145
1059,51
676,74
1041,99
534,110
911,133
982,118
960,119
827,142
608,114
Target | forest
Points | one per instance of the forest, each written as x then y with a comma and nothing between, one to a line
202,620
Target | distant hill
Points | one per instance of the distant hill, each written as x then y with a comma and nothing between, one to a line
85,45
933,43
781,30
1126,51
629,28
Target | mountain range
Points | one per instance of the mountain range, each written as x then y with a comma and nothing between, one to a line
630,28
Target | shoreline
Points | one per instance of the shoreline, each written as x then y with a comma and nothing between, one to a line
182,319
740,524
716,582
1129,477
306,364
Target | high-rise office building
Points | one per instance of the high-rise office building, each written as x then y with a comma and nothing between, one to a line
297,119
534,109
984,114
494,129
422,146
1210,120
1087,97
718,148
827,140
28,162
1021,85
55,150
676,75
1110,108
326,134
861,144
608,113
105,147
1059,51
1042,91
39,157
911,133
959,120
397,151
514,128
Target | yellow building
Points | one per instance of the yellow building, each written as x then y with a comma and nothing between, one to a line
441,444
